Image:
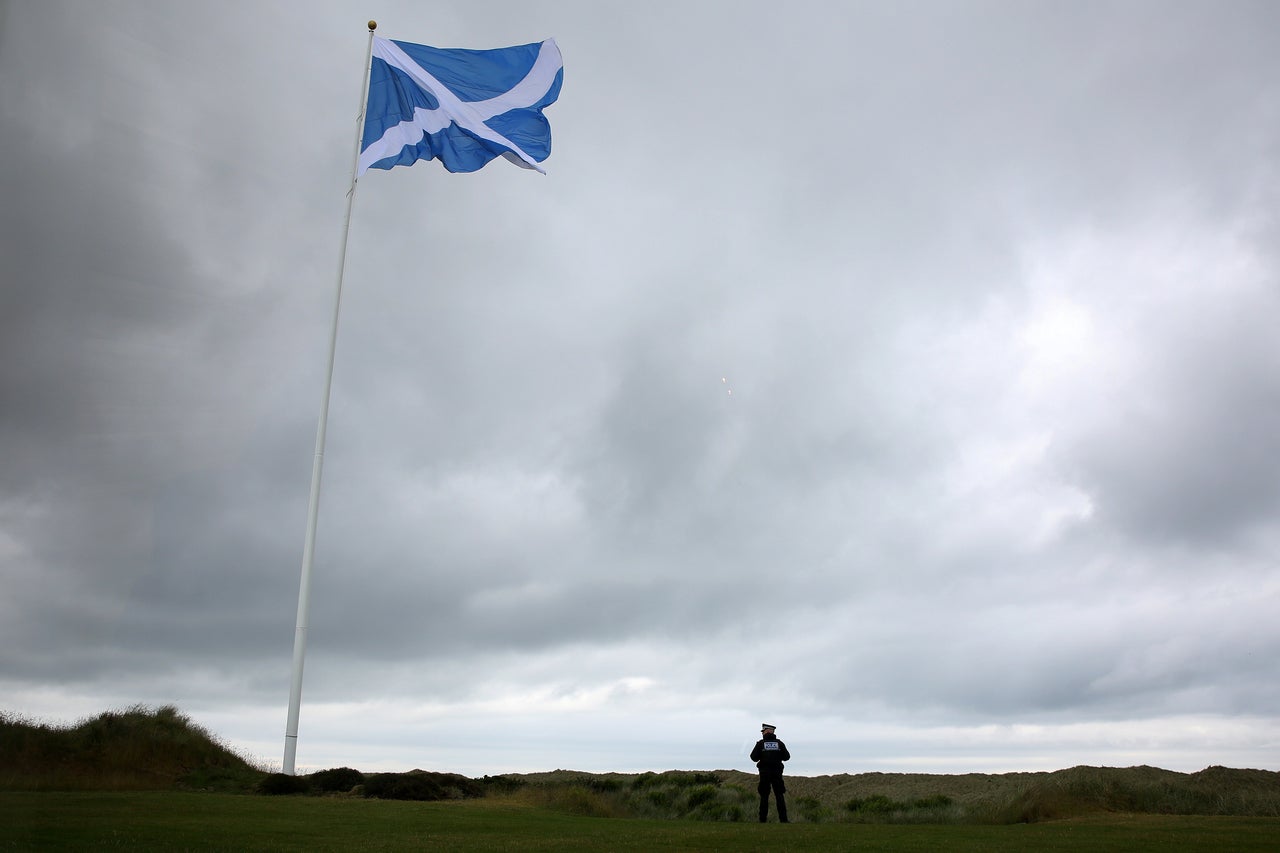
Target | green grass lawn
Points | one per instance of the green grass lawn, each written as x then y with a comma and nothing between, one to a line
207,822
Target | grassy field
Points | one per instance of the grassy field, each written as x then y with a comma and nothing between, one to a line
141,821
144,779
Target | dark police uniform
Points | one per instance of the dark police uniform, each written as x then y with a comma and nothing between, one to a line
769,753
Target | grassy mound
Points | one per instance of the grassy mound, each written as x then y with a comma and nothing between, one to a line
133,750
1144,790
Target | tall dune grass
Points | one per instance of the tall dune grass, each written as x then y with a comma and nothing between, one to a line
136,749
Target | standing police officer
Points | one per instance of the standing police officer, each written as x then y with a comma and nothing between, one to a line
769,753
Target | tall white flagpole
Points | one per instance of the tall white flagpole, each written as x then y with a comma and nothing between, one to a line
313,507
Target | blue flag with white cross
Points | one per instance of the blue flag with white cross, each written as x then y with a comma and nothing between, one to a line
463,107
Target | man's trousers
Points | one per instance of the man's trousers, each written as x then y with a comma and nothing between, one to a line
772,781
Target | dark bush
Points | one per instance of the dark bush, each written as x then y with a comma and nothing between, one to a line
502,784
661,798
276,784
421,785
713,810
578,800
644,780
812,809
874,804
227,780
699,795
935,801
675,778
336,779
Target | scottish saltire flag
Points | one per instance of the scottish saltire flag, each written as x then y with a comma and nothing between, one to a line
465,107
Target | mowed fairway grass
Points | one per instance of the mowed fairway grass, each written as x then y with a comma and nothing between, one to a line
206,822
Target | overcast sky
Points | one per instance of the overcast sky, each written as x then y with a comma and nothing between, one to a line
994,286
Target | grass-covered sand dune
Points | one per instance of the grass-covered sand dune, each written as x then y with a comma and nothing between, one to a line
141,749
138,749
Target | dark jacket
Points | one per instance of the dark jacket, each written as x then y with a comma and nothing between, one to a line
769,753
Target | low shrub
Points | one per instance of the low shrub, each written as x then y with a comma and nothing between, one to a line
699,795
421,785
581,801
502,784
879,808
876,804
279,784
663,798
337,779
674,778
223,780
937,801
812,810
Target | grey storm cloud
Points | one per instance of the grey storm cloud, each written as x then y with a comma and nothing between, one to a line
989,284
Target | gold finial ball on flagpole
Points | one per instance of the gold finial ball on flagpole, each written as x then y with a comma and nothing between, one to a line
373,25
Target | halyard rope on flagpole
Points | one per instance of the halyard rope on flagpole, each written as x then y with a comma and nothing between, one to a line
313,507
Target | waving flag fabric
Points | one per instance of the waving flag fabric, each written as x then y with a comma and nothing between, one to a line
465,107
